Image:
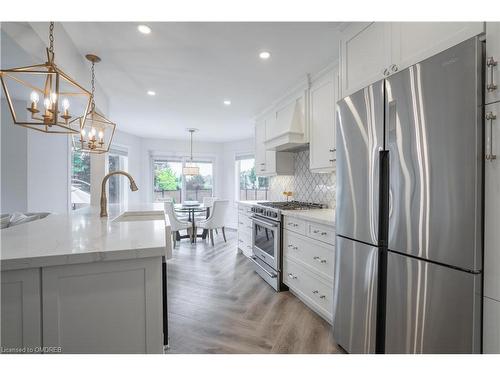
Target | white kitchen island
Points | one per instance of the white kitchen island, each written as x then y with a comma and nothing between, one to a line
78,283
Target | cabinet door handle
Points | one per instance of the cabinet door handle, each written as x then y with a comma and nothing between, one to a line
332,150
385,72
491,63
331,160
490,116
292,276
322,296
319,259
394,68
315,291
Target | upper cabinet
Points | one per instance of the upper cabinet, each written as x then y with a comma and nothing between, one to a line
270,163
372,51
289,130
323,96
492,69
365,52
415,41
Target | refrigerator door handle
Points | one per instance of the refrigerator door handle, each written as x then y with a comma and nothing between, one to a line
490,116
392,115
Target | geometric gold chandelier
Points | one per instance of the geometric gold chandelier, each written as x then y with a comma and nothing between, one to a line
44,98
96,131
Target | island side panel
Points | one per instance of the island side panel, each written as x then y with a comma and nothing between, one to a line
104,307
20,311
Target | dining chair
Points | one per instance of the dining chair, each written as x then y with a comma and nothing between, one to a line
176,225
215,220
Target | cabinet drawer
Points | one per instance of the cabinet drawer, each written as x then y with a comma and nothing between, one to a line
321,232
311,290
245,209
295,225
245,241
244,224
317,256
245,244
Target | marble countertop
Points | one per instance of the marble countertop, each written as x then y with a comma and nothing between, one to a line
323,216
83,237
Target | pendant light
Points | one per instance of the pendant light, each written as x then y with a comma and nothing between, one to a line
42,97
96,131
191,169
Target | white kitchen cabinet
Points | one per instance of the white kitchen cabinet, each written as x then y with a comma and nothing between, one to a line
104,307
412,42
313,290
491,326
245,229
20,310
270,163
492,69
308,263
372,51
365,51
492,202
323,96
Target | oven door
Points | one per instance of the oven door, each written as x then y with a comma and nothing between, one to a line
266,241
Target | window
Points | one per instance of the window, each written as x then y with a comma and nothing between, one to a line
117,190
80,179
250,187
169,182
201,185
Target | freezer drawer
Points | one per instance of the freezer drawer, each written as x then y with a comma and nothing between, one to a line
355,296
435,138
430,308
360,138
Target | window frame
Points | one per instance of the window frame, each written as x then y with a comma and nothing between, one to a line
237,171
122,153
182,158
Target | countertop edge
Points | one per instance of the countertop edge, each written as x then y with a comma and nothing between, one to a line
305,215
82,258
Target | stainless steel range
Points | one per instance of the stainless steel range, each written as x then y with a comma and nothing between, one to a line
267,237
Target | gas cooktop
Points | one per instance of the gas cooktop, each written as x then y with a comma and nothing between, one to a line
292,205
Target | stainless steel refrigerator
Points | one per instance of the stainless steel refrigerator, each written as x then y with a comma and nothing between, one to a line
409,209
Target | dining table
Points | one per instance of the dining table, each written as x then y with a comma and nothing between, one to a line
192,209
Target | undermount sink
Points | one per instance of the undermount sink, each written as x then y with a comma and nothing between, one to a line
140,216
129,216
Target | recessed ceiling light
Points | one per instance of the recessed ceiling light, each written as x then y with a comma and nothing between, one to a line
151,93
227,102
264,55
144,29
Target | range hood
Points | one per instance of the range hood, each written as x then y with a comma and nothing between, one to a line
289,131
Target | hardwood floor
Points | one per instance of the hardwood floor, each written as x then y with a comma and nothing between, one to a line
218,304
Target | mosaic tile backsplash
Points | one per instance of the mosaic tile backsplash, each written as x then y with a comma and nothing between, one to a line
305,185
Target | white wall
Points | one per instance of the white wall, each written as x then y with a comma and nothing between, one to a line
14,161
48,172
133,145
35,168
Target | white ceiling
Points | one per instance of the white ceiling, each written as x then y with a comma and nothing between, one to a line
193,67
